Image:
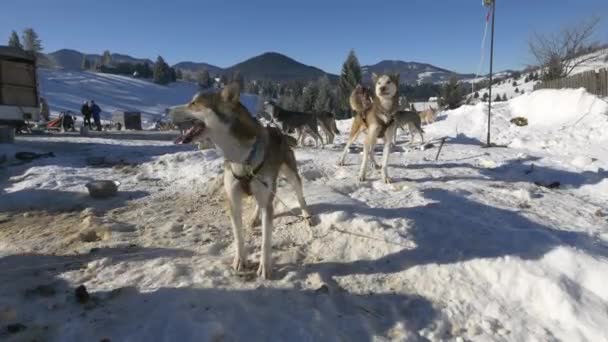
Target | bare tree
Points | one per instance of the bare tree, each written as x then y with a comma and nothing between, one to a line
559,53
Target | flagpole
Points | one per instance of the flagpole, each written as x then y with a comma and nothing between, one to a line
491,70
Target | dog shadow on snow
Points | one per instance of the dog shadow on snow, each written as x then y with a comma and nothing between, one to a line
47,306
27,200
513,171
453,228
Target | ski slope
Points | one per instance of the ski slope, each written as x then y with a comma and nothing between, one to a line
67,90
472,247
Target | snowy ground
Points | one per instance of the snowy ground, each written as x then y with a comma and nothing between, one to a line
466,248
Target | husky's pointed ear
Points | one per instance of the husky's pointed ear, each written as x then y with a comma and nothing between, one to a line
374,77
231,92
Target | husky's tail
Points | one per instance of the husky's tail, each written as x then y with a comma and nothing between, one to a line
334,128
328,119
360,99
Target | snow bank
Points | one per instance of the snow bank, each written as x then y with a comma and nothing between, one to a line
552,108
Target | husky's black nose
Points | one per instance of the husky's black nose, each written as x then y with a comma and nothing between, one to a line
383,89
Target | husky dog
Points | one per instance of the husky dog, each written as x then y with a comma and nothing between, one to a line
377,119
254,157
327,122
428,116
300,122
411,119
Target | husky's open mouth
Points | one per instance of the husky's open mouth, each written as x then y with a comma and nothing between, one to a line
197,129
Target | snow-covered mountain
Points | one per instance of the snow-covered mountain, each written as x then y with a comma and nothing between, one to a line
273,66
412,72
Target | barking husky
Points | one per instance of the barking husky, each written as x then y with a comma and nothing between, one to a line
302,123
375,116
254,154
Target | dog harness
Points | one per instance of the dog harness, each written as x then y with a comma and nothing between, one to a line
385,125
251,171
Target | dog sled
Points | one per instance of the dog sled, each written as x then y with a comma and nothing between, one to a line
65,122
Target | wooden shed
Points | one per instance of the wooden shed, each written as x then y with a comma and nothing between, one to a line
127,120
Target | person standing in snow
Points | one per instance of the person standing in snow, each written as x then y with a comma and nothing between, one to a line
96,112
45,112
85,110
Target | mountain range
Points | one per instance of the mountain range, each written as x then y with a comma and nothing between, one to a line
272,66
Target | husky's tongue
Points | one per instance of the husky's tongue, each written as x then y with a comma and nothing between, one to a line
191,133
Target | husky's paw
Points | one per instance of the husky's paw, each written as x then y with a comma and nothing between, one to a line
239,264
340,163
264,271
387,180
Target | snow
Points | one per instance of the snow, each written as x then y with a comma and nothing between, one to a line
593,61
466,248
67,90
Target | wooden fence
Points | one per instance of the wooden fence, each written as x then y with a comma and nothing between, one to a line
595,81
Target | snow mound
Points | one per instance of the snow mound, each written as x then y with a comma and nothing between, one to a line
551,108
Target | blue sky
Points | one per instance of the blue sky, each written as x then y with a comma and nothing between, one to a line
446,33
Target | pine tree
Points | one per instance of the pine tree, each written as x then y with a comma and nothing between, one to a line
106,59
517,90
485,97
476,95
148,72
288,102
238,78
86,64
349,78
308,98
173,74
161,72
515,83
451,94
203,79
13,41
412,107
504,97
31,41
323,102
497,98
179,74
223,79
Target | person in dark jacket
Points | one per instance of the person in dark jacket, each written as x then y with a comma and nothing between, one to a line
96,113
85,110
